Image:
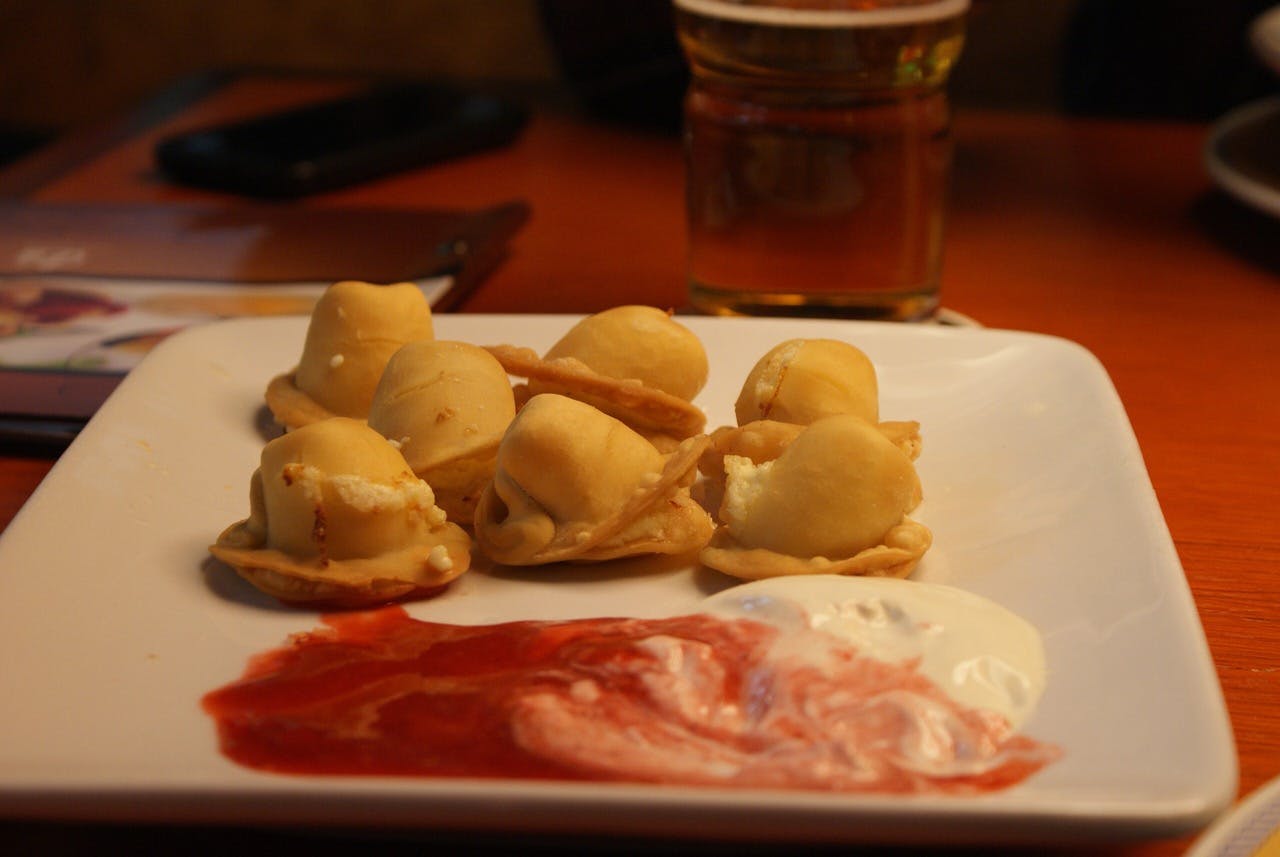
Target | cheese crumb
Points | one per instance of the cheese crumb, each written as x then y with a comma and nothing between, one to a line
439,558
336,360
744,483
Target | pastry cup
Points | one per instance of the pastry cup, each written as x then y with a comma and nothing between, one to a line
336,517
656,414
904,545
354,329
765,440
834,500
643,505
446,405
414,572
635,363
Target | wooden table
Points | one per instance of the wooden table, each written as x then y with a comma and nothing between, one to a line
1104,232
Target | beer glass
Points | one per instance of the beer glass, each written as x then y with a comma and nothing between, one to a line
817,152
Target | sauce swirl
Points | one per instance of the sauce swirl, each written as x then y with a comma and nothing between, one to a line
696,700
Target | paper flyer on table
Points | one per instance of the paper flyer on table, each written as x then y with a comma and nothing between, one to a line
86,290
98,324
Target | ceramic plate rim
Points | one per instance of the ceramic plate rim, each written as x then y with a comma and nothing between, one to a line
1234,833
1258,195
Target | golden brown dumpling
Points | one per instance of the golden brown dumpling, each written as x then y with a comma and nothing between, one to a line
573,483
795,383
354,329
802,380
635,363
336,516
640,342
765,440
446,405
834,502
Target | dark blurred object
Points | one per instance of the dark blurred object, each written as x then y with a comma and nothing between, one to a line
1179,59
621,60
18,142
319,147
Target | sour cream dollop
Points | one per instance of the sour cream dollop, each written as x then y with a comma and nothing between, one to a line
978,652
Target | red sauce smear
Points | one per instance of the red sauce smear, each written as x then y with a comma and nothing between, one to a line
691,700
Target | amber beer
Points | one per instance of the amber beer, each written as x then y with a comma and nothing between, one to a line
817,148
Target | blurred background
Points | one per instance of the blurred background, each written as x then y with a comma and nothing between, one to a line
65,64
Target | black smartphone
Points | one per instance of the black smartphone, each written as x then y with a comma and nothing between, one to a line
332,144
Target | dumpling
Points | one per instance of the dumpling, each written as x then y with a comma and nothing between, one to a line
446,405
795,383
635,363
354,329
573,483
801,380
336,516
640,342
834,501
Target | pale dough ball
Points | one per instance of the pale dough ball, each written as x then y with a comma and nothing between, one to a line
337,489
578,464
355,328
442,401
802,380
640,342
837,489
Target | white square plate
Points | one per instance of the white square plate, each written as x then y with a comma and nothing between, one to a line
113,622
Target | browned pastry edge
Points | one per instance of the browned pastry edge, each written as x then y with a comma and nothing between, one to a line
902,549
291,407
594,545
347,582
629,400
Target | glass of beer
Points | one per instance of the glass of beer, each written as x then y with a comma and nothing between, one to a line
817,147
